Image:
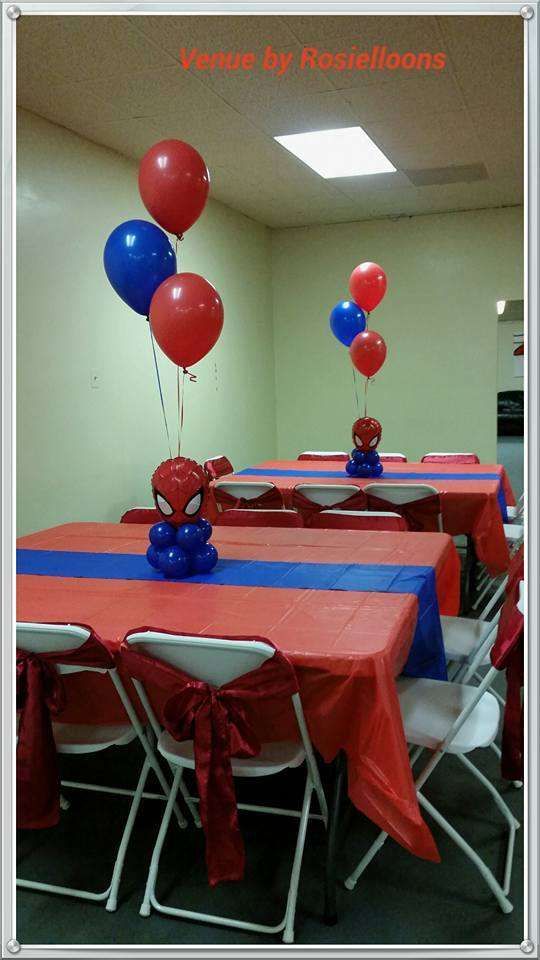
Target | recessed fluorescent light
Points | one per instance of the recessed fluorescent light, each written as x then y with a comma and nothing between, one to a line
501,304
347,152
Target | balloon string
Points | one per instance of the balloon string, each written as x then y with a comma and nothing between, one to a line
159,386
355,385
180,399
365,396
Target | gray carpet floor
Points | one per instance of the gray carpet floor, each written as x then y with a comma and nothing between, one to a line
399,900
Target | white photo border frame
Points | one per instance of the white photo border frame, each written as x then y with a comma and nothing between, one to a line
529,12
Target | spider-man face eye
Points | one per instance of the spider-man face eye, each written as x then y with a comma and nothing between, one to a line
357,440
374,442
163,505
194,504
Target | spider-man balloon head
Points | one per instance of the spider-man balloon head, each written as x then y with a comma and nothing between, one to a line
366,434
179,487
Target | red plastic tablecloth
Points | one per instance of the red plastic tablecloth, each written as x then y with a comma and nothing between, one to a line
347,647
468,506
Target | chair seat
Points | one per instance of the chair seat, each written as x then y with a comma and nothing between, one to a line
273,757
462,636
430,707
513,531
89,738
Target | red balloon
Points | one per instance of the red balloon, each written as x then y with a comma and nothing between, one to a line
367,284
368,351
186,314
174,184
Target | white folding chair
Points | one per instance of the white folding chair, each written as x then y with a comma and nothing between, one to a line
515,514
361,520
241,491
455,718
393,457
450,457
217,662
78,738
327,494
403,493
322,455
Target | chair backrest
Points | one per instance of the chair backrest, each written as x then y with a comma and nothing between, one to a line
140,515
214,660
359,520
450,458
243,491
243,517
326,494
54,638
218,466
405,494
323,455
400,492
393,457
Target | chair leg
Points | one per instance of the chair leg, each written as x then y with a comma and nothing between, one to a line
126,836
156,854
352,879
484,871
288,933
513,824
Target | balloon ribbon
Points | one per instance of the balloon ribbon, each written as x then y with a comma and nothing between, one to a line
159,386
180,400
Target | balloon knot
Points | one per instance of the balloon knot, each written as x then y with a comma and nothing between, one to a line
192,376
180,236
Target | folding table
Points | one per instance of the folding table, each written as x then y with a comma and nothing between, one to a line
351,609
474,497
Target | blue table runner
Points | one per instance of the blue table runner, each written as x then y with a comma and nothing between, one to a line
426,657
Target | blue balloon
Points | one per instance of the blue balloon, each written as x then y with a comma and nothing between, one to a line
173,562
346,321
377,470
137,258
162,535
190,537
204,560
359,456
152,555
372,457
352,468
206,528
363,470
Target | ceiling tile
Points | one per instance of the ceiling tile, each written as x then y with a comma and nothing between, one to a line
82,48
117,81
397,98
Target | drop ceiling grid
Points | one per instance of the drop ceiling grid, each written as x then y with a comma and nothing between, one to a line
428,121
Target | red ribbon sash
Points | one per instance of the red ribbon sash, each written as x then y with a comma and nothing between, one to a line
309,510
41,696
507,654
421,515
218,721
269,500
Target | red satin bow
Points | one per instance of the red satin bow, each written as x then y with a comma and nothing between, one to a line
308,509
420,514
40,696
507,654
218,721
269,500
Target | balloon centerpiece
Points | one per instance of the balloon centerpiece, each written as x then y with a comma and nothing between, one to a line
365,461
179,543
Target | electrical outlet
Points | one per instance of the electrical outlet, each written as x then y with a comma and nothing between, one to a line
95,380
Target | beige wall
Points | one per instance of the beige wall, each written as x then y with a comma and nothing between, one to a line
438,387
87,454
277,371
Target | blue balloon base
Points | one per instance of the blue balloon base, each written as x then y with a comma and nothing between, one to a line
365,465
181,552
